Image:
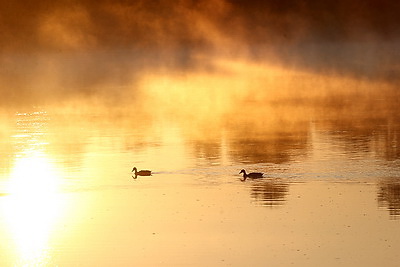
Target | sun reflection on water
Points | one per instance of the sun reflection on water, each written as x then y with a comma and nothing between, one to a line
33,202
32,207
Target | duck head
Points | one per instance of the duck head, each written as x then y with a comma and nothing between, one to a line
242,171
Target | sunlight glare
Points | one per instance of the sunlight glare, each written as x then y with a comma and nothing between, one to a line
32,206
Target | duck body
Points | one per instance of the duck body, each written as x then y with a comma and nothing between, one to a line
141,172
253,175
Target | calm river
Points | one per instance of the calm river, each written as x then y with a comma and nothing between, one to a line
330,195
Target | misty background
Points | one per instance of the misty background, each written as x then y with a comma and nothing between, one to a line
72,49
269,73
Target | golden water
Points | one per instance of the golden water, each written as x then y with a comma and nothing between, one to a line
330,194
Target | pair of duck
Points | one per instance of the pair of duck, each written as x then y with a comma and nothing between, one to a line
245,175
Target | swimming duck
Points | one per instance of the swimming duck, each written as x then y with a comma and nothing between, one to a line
141,173
251,175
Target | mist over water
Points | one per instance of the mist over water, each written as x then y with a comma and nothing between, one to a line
195,91
257,77
102,49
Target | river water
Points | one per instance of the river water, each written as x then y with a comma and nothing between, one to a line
330,194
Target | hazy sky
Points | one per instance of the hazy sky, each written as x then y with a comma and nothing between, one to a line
86,42
64,24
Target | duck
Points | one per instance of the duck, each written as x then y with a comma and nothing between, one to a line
251,175
141,173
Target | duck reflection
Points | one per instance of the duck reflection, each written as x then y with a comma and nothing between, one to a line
269,193
389,197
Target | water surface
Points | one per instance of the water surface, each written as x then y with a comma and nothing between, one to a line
330,194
